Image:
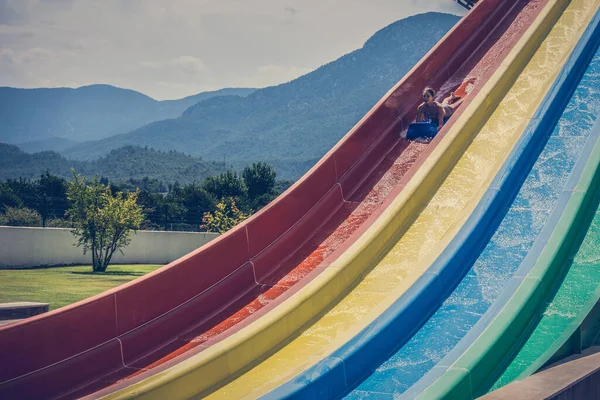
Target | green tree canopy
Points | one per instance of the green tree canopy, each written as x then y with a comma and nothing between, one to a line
8,198
259,179
227,184
102,221
52,193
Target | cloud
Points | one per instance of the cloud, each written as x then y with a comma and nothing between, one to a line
10,12
267,75
15,12
279,73
176,48
7,56
174,76
291,13
35,55
187,64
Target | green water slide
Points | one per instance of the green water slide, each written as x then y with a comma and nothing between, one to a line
568,320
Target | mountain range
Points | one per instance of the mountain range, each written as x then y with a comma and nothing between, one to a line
39,119
119,165
289,126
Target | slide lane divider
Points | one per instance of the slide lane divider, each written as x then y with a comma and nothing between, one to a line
367,350
469,374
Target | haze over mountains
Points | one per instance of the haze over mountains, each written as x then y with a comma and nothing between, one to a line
289,126
120,165
38,117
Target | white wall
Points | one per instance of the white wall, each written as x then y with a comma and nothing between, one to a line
31,247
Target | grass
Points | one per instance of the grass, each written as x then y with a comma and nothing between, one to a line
61,286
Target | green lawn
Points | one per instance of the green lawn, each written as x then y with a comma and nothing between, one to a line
60,286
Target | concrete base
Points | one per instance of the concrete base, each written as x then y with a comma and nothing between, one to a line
574,378
24,309
9,321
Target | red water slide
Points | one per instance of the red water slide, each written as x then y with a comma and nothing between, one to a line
153,322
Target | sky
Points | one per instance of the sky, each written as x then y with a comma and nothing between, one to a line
170,49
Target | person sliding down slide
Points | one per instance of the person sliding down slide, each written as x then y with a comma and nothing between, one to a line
431,115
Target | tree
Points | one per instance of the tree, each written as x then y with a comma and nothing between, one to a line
47,195
8,198
169,209
259,179
102,221
53,197
26,190
227,184
225,217
197,201
161,209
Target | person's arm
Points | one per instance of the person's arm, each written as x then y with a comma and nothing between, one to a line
420,113
440,117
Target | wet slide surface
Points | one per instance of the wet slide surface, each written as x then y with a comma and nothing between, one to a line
582,281
337,232
398,270
493,344
133,327
507,248
310,257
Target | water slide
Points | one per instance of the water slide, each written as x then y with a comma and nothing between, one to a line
536,300
412,247
366,298
206,304
566,322
492,254
276,296
461,348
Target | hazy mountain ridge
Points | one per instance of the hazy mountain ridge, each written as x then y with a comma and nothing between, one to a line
130,162
53,143
86,113
296,121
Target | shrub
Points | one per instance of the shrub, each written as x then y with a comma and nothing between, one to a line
58,223
225,217
14,216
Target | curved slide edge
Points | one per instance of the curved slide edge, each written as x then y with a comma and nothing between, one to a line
227,358
469,375
103,318
395,326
